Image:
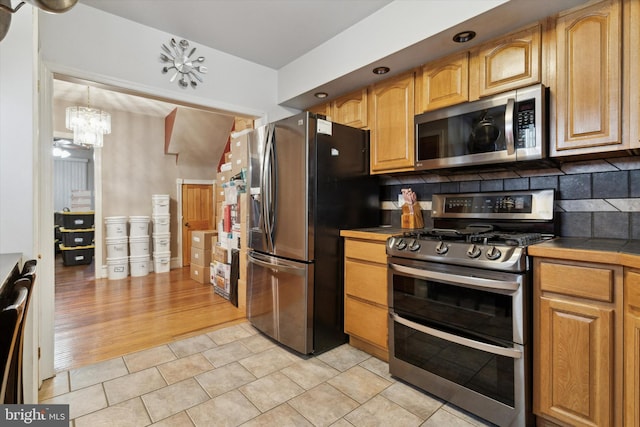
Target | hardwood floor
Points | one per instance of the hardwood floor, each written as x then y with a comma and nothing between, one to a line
96,320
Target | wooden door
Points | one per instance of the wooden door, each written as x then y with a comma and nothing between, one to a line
632,349
351,109
588,71
445,82
631,73
507,63
575,362
391,111
197,214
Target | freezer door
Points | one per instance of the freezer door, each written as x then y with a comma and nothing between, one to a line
280,300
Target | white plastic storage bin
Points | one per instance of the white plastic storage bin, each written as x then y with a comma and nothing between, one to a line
161,242
160,204
161,223
161,262
139,265
117,268
139,246
117,247
116,226
138,226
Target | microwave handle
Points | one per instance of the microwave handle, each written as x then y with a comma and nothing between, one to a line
508,127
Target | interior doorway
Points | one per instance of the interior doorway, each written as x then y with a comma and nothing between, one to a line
197,214
49,95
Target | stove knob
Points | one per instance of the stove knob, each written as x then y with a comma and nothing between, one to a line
442,248
473,251
401,244
414,245
493,253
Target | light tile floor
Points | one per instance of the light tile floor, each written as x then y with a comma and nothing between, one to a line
237,376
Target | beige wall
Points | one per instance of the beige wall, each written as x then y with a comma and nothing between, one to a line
134,166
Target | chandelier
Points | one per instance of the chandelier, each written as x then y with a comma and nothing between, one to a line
88,124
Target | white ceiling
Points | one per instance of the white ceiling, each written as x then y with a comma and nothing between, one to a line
261,31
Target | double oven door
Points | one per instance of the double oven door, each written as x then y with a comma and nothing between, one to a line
462,334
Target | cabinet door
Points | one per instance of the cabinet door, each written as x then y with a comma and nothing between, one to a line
632,349
574,373
391,111
588,71
445,82
351,110
507,63
631,92
323,109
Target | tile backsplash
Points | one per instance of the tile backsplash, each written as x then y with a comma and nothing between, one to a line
597,198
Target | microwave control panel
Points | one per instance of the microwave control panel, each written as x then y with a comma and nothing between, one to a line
526,124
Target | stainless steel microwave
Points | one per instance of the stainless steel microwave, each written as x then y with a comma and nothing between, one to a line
508,127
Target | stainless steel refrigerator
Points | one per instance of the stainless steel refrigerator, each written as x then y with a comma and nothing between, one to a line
308,178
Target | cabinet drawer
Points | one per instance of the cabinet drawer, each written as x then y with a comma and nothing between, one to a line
365,321
594,283
367,251
366,281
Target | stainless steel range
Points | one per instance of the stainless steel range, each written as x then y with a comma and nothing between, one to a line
460,298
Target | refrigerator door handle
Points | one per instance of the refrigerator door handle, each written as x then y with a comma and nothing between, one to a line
266,189
279,265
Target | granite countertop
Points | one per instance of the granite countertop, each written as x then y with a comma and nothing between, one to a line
611,251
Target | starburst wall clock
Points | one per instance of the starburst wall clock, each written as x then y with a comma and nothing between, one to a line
179,59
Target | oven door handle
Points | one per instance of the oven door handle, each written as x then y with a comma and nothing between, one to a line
489,348
476,282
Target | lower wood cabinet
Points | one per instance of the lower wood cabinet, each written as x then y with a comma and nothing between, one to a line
365,296
632,348
578,342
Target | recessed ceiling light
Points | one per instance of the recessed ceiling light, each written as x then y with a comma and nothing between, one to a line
464,36
321,95
381,70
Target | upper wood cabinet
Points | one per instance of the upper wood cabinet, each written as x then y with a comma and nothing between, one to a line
445,82
631,73
506,63
323,109
351,109
588,101
391,111
578,342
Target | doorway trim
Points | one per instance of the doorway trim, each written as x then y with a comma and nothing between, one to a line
179,183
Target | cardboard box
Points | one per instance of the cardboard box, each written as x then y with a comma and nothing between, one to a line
200,256
199,273
202,238
240,153
221,254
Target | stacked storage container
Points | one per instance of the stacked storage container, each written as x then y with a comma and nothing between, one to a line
77,238
139,254
117,248
161,233
201,244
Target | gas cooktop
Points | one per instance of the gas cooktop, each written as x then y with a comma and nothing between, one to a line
524,218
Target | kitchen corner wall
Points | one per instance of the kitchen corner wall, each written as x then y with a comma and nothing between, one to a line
598,198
